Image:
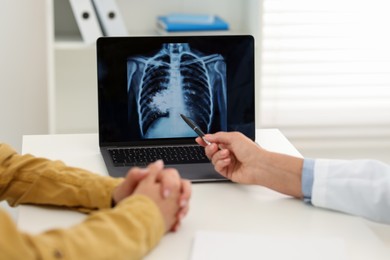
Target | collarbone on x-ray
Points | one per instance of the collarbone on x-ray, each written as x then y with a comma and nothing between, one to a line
177,80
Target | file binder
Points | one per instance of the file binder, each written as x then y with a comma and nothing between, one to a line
110,18
86,19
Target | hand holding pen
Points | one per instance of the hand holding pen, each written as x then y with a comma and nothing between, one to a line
224,160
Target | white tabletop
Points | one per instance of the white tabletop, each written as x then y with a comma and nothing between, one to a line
226,207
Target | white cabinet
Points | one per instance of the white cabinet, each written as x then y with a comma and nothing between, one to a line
73,89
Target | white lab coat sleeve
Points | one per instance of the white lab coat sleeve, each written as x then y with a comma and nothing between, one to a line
358,187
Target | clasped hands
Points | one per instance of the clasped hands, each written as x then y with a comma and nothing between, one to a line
164,186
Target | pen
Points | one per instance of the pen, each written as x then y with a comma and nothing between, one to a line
194,127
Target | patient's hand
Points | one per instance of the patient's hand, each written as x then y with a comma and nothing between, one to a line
169,201
167,184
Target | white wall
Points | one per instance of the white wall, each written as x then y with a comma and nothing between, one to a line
23,69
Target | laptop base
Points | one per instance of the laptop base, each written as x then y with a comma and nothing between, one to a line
196,173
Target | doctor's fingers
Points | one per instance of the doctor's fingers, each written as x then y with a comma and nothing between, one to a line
222,166
201,142
211,150
220,155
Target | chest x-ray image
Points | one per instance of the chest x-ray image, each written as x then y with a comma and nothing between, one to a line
172,81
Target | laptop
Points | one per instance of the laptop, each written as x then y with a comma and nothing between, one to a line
145,83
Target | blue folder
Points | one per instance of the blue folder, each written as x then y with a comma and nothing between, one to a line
217,24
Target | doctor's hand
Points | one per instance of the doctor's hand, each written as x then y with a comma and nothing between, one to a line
234,156
241,160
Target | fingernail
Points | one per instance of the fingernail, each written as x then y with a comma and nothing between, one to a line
183,203
159,163
166,193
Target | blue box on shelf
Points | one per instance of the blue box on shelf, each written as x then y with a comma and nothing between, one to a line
191,24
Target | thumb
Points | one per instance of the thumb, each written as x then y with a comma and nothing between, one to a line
134,176
154,169
128,185
220,137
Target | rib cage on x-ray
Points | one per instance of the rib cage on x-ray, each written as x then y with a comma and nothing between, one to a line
177,80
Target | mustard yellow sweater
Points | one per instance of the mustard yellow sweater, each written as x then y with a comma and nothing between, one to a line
127,231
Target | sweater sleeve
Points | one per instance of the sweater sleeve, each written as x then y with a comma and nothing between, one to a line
128,231
28,179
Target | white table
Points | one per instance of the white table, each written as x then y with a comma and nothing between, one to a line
214,206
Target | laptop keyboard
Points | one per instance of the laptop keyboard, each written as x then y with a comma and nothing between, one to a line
142,156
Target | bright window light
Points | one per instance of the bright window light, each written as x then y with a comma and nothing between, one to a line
325,63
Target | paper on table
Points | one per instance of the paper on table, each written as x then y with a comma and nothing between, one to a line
209,245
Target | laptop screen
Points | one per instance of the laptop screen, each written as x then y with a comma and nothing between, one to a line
145,83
